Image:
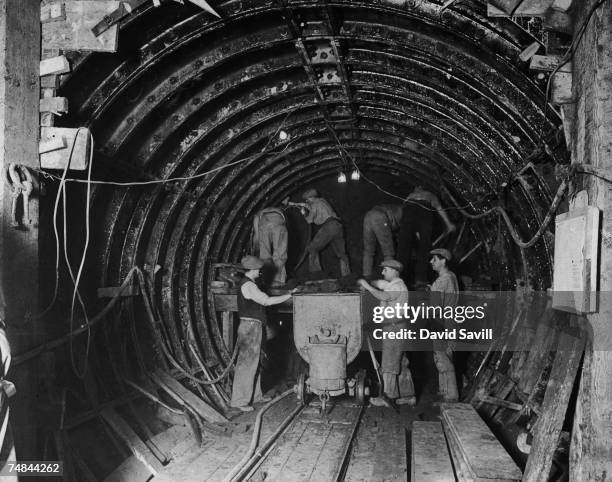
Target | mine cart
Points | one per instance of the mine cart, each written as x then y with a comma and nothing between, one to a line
327,330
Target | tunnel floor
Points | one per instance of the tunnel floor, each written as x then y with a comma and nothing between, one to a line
312,447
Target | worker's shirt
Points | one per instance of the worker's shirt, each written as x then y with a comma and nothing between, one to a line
396,292
319,211
446,289
252,292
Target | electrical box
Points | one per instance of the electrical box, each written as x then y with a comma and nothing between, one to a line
576,260
60,147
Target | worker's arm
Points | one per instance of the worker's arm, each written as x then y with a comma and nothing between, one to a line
252,292
378,294
431,198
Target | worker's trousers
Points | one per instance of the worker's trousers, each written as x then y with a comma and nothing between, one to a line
247,379
397,379
447,381
273,238
376,227
330,232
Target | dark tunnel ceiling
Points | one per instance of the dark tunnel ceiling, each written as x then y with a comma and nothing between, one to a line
429,97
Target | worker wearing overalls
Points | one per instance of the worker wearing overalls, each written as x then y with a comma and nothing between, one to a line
252,301
321,214
382,222
379,224
392,291
270,240
445,292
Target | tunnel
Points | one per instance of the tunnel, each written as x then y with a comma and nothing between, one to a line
203,117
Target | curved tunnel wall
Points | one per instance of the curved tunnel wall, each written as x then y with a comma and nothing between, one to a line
437,99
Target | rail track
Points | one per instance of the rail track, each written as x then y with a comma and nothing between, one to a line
312,446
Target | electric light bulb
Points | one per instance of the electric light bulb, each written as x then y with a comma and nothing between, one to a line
283,136
355,175
341,178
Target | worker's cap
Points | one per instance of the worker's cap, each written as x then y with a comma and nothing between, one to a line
310,193
391,263
443,253
252,262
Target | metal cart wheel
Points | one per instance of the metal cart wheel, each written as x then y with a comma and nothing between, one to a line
301,388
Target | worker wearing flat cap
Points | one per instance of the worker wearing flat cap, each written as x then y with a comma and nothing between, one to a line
445,292
382,223
321,214
252,304
392,291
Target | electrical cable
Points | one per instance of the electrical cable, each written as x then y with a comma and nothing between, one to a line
77,280
34,352
501,211
162,344
58,197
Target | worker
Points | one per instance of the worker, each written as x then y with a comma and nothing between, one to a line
382,222
392,291
320,213
251,309
270,241
445,292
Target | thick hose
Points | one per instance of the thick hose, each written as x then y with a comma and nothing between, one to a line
501,211
255,438
261,451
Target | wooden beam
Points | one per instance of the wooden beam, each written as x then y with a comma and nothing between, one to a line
548,63
19,256
132,440
529,8
56,105
431,460
561,88
54,66
530,51
200,406
58,159
52,144
590,453
554,407
74,33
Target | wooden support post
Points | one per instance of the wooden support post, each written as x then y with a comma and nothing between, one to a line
591,450
554,407
19,104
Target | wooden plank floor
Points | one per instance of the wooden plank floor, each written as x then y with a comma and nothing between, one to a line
311,450
380,448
